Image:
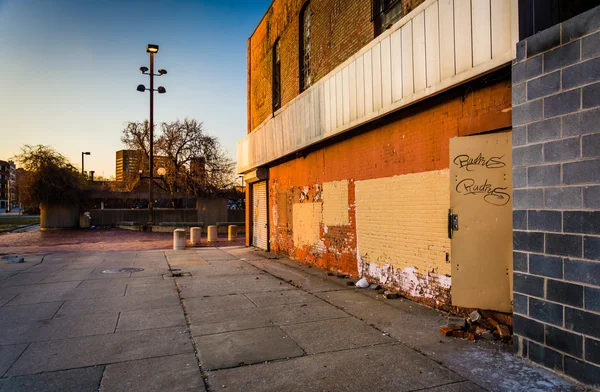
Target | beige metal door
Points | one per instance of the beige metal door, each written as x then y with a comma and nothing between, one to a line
480,223
260,237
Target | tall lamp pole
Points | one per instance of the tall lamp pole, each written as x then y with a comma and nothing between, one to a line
82,161
151,49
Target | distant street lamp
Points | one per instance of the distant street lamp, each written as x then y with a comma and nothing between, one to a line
82,161
152,49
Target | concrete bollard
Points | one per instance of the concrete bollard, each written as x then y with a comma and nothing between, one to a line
212,233
179,239
232,233
195,235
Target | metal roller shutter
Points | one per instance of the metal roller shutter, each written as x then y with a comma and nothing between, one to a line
260,237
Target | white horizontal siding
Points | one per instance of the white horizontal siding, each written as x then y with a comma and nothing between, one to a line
440,44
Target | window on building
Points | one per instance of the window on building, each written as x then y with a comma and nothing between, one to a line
276,77
384,13
305,41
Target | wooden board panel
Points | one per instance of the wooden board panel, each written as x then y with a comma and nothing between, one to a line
327,106
368,72
419,61
386,72
432,44
462,35
396,67
446,22
320,119
376,61
352,90
339,104
407,61
360,87
501,27
333,104
346,96
482,40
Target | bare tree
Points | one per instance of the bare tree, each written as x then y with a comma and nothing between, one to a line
194,161
48,176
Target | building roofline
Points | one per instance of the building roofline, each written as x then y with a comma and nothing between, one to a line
261,19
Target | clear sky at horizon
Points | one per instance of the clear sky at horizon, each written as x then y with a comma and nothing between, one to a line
69,71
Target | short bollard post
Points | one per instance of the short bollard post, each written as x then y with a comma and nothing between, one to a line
232,233
212,233
179,239
195,234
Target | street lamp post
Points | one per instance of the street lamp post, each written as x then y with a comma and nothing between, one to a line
82,161
151,49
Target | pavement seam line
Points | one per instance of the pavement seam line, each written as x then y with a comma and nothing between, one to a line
203,374
444,385
16,360
117,323
376,328
57,310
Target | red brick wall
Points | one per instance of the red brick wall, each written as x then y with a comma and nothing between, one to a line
339,29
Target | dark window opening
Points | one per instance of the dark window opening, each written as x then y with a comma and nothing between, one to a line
384,13
276,77
538,15
305,41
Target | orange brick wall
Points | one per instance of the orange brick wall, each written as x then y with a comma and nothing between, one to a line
412,140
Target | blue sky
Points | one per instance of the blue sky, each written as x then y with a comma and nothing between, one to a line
69,69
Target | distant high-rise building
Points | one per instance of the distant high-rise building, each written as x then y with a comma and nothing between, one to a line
7,184
128,164
198,169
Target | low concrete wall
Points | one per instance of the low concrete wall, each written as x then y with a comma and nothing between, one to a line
59,216
209,211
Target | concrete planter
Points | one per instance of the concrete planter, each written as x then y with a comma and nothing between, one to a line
59,216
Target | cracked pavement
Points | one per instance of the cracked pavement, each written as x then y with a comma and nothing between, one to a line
228,318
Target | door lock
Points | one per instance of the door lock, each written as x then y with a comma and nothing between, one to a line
452,223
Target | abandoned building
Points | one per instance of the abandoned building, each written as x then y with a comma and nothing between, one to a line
416,143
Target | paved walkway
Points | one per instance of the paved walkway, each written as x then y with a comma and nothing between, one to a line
228,319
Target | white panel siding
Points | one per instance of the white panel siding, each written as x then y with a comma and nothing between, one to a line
419,63
333,103
377,87
446,21
360,87
327,106
352,90
462,35
482,44
501,34
432,49
432,44
368,68
408,81
346,95
386,72
396,54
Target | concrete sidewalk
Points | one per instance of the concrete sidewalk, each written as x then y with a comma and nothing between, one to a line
228,319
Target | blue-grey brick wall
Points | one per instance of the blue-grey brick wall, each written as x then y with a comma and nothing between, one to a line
556,198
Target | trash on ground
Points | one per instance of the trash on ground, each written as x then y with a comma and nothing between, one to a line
363,283
476,326
14,259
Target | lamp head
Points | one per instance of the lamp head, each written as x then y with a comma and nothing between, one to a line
141,88
144,69
152,48
162,71
161,90
86,153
